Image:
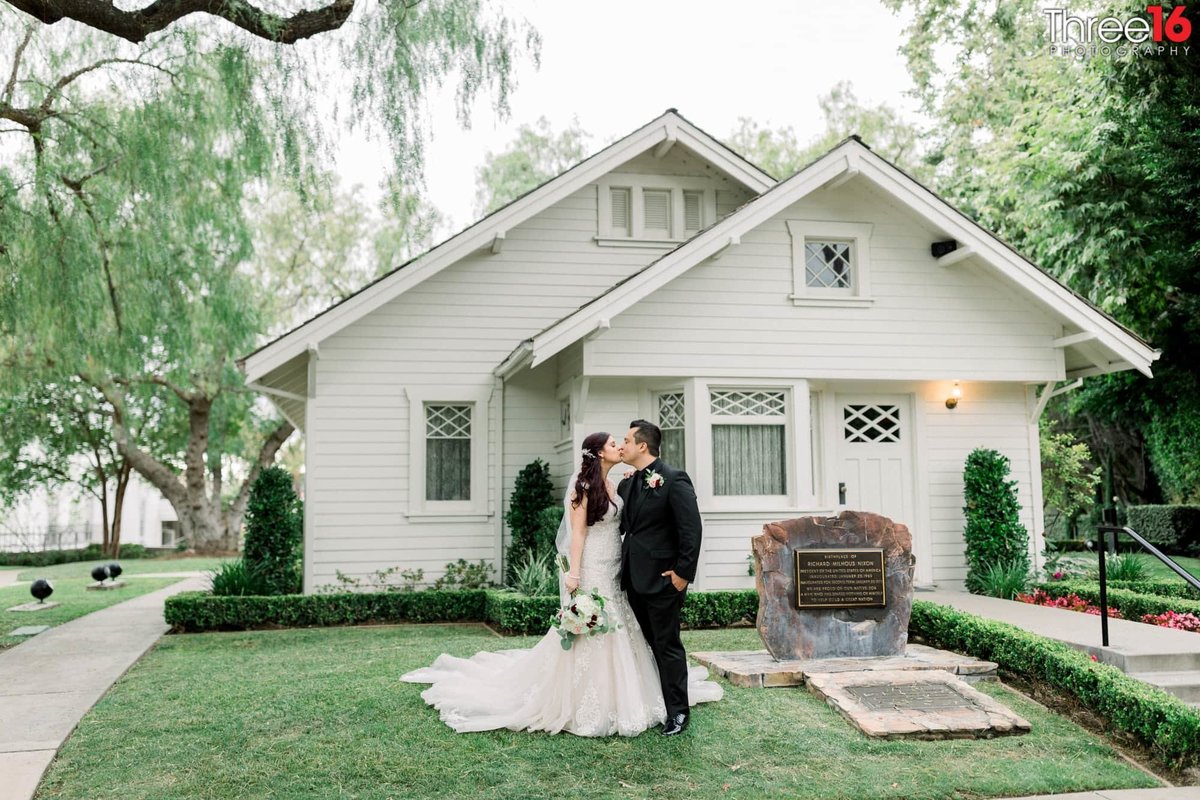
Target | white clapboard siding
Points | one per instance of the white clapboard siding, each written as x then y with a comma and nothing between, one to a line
991,415
733,316
451,330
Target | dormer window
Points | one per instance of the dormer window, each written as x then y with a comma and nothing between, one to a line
831,262
652,210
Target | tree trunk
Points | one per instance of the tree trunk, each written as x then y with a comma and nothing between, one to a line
123,473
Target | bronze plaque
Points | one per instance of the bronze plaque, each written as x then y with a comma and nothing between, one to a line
841,578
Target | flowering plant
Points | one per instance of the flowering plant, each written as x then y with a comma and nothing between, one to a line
1071,602
1173,619
653,479
585,616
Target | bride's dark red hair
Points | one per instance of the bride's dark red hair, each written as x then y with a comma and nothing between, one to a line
592,482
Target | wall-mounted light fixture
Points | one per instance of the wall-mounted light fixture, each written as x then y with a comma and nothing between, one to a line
955,394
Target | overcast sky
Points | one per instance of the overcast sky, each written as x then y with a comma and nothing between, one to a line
618,64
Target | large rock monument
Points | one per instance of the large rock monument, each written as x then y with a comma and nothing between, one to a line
832,587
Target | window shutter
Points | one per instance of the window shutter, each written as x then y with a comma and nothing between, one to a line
693,218
620,211
658,212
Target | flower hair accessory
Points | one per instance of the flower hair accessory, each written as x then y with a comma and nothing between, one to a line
587,453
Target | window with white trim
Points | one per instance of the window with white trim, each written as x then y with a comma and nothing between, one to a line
652,210
831,262
447,454
749,441
672,420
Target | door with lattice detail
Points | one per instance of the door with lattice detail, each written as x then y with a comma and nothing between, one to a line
874,465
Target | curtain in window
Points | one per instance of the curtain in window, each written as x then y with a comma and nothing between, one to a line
748,460
447,469
672,450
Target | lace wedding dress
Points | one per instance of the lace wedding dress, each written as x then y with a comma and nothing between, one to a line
604,685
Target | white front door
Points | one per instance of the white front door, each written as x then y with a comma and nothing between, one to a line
874,463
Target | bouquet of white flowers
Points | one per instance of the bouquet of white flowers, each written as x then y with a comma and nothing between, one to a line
585,616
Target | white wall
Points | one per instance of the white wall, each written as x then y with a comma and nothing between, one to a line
451,330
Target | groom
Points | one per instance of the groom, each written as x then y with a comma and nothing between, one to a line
659,552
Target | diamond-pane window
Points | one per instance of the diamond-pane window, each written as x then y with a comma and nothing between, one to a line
827,265
447,452
871,423
671,419
735,403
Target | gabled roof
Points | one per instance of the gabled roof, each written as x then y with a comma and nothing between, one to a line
669,128
849,159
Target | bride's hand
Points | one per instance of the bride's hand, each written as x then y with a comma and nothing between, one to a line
572,584
629,473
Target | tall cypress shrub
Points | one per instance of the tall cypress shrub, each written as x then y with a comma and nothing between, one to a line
274,533
994,534
533,491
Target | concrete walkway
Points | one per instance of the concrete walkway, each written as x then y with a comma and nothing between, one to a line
50,681
1132,645
8,577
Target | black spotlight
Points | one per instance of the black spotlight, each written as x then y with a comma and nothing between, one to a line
99,573
939,249
114,570
41,589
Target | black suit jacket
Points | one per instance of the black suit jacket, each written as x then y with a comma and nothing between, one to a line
661,530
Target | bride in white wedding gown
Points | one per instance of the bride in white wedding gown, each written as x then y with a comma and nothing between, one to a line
605,684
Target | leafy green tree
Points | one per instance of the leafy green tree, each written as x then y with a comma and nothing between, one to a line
533,491
274,533
1088,167
1069,479
994,535
534,157
124,232
49,431
780,153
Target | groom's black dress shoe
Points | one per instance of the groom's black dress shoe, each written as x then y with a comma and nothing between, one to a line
676,723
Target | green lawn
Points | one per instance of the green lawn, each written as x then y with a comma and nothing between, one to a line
76,601
131,566
1155,569
321,713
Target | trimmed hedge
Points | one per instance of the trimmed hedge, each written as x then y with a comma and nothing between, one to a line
192,612
1175,588
1163,723
1131,604
48,558
1175,529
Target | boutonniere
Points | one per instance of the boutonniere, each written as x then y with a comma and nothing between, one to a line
653,480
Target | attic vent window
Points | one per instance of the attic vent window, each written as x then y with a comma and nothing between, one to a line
827,265
831,263
655,211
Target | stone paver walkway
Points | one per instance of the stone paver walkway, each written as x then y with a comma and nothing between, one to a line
48,683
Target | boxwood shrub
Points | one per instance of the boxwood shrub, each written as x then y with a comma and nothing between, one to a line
1164,588
1166,725
193,612
509,612
1174,529
1131,604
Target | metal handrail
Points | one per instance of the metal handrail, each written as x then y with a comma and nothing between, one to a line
1104,530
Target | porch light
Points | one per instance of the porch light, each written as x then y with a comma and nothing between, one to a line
955,394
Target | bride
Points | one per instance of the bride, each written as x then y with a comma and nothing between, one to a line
605,684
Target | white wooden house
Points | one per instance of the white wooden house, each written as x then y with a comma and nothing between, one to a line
797,340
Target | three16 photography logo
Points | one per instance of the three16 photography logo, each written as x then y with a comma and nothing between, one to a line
1160,32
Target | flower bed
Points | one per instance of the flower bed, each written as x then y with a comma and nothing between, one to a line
1153,609
1071,602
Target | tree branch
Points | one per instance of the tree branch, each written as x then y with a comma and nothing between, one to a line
135,26
11,86
265,456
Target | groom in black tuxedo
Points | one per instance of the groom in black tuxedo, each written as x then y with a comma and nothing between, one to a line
659,553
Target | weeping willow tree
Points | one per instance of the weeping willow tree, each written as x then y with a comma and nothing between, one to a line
125,242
